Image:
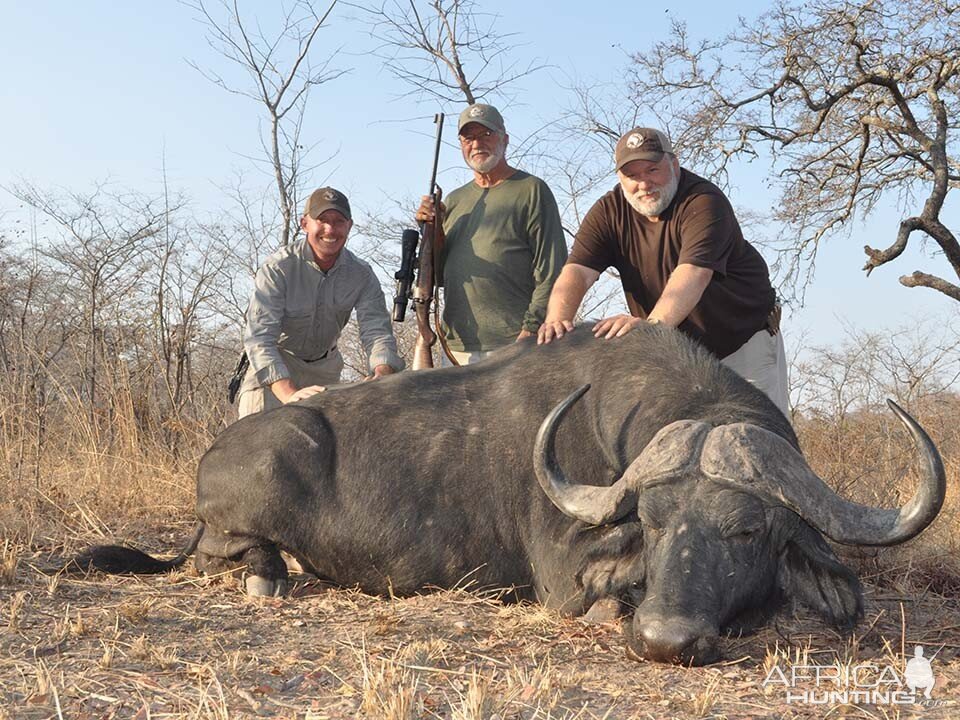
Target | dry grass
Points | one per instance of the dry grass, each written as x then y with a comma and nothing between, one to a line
116,647
73,476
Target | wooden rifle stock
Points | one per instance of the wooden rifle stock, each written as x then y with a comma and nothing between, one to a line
423,292
431,242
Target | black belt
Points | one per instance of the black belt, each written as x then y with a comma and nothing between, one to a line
322,357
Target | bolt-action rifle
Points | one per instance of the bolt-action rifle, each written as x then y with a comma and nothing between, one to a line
430,241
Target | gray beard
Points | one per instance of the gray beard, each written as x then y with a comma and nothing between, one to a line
667,193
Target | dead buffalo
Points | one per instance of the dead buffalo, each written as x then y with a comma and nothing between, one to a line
672,489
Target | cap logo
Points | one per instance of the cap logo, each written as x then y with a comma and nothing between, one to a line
475,111
635,140
329,195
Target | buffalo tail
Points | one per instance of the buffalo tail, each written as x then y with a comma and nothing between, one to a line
117,559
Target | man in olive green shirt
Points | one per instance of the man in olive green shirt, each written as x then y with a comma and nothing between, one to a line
504,244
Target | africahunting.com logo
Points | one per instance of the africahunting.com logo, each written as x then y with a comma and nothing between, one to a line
866,683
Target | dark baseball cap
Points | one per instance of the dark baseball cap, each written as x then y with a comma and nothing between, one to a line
641,144
326,198
486,115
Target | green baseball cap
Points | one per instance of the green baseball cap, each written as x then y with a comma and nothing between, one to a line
486,115
326,198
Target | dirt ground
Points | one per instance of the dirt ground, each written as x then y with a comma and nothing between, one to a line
183,646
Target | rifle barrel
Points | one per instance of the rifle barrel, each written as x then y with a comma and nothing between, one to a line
438,120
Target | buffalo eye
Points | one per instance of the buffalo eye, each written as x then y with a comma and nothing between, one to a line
741,533
744,525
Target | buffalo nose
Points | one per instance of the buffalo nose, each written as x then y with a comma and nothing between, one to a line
676,640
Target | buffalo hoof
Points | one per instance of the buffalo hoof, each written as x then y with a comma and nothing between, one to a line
266,572
605,610
258,586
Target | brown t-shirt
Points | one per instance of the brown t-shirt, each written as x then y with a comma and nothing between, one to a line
698,228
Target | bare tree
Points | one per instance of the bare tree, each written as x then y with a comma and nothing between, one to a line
181,295
855,103
281,74
910,364
920,362
447,50
239,236
103,250
182,298
36,324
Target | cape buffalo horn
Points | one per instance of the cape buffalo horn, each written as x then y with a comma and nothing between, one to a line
590,503
674,450
747,453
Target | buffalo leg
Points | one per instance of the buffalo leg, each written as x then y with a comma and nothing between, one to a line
215,565
266,574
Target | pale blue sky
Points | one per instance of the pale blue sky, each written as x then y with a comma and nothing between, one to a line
99,90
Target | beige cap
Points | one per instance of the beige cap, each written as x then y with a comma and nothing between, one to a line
486,115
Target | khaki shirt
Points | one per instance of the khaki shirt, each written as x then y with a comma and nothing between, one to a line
298,308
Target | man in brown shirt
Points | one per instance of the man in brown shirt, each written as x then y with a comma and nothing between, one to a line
675,241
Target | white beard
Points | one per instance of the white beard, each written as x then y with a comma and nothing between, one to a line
491,161
653,208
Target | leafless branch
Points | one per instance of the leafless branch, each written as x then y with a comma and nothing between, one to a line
854,104
280,87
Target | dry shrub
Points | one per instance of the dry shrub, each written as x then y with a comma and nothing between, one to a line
702,702
76,474
9,559
390,690
476,702
420,653
868,456
15,609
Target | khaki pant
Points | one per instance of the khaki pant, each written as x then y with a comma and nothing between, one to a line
319,372
762,361
463,357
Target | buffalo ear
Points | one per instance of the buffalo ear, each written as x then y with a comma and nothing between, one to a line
811,573
614,564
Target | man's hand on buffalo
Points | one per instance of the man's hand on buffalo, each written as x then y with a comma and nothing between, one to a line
286,392
553,329
565,298
304,393
616,326
380,371
425,211
524,334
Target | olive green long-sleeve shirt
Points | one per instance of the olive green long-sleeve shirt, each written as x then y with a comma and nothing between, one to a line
504,250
